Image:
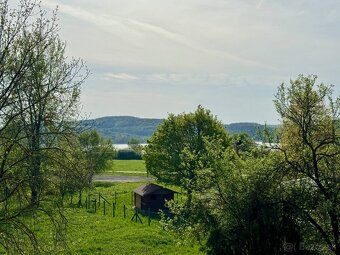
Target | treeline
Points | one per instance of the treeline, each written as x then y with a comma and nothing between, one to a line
244,199
121,129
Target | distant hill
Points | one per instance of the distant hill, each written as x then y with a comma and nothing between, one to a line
247,127
120,129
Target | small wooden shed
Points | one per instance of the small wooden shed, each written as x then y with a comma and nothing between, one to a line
152,196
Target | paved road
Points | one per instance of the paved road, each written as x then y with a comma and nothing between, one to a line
111,178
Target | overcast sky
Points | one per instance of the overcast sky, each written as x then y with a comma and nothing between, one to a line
149,58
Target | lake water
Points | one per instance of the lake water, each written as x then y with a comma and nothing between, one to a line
124,146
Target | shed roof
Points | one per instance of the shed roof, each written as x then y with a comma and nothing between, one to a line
152,188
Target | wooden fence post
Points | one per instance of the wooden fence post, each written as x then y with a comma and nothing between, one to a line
98,199
124,211
95,205
136,217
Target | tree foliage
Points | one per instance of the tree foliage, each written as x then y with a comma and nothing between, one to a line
268,200
82,157
97,151
243,143
177,150
309,138
48,96
134,145
39,96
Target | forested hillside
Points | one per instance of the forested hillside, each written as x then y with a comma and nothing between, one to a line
248,127
122,128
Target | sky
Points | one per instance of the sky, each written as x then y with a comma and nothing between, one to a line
149,58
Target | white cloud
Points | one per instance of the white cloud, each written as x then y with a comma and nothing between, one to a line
120,76
137,34
198,79
210,48
258,6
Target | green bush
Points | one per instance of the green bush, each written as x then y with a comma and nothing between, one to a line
128,154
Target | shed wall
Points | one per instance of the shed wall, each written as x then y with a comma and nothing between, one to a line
138,201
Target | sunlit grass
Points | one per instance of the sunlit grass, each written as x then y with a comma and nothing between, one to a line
90,232
127,167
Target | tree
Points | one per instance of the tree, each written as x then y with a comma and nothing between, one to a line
39,92
70,171
134,145
242,211
56,83
80,157
309,138
176,152
97,152
260,199
243,143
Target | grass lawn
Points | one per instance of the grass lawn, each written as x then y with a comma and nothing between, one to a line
116,235
92,232
127,167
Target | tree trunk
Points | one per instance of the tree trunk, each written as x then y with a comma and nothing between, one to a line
80,197
35,181
35,164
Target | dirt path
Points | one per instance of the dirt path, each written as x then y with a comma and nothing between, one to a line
112,178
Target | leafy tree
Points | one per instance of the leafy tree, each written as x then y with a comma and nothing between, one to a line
309,138
267,135
57,84
80,157
243,143
260,200
39,92
97,152
126,154
177,152
70,171
134,145
242,212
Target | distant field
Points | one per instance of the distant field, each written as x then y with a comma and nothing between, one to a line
95,233
127,167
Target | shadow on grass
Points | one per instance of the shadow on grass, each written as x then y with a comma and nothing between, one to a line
104,184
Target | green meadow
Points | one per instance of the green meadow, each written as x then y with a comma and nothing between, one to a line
96,233
126,167
90,232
